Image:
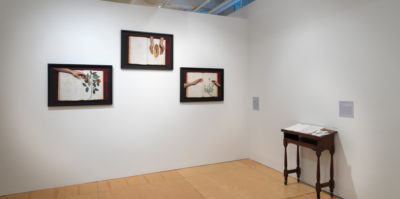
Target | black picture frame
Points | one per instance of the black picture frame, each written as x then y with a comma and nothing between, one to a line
185,95
127,61
54,87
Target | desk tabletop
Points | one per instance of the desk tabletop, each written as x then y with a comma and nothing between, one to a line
307,135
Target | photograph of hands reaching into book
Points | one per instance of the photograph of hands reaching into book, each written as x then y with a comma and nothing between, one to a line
201,85
157,49
147,50
75,85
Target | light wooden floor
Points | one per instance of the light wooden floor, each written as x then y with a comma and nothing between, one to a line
242,179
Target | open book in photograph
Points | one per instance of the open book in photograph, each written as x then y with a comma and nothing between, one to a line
142,50
79,85
89,87
146,51
201,84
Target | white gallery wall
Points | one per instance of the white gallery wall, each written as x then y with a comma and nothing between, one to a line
304,57
299,57
146,129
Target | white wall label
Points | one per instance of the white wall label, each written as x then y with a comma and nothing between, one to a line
346,109
256,104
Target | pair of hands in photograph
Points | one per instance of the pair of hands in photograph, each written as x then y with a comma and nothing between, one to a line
161,46
198,81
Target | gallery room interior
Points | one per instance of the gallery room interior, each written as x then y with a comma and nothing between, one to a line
138,128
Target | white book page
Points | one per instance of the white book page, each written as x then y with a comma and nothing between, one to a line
311,129
155,59
296,127
304,128
210,89
320,133
194,90
71,88
139,48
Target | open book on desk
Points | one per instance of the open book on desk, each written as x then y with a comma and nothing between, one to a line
308,129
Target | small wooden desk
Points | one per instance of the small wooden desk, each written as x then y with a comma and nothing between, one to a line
318,144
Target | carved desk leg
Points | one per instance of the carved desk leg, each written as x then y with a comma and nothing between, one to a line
318,185
285,172
331,181
298,172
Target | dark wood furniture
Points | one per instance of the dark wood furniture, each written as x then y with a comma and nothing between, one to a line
318,144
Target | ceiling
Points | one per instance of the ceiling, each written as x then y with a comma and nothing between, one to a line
218,7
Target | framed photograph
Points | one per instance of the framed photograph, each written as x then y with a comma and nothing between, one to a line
73,85
144,50
202,84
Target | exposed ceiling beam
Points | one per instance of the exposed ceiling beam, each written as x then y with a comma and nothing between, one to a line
163,3
227,6
220,6
201,6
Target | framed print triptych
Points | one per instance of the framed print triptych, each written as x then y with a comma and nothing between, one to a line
77,84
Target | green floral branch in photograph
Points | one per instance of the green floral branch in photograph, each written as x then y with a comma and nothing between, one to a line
209,88
92,81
